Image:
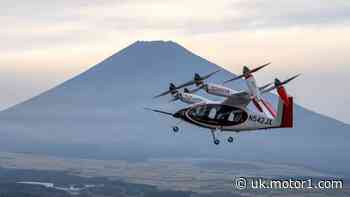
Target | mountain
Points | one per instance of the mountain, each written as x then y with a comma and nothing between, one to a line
99,114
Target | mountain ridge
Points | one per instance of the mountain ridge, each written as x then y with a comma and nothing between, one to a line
101,111
145,42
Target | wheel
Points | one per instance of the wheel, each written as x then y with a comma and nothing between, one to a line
230,139
176,129
216,142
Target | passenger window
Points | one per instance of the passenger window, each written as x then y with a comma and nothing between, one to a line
222,115
238,117
231,117
212,113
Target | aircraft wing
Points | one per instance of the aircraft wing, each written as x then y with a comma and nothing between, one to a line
240,99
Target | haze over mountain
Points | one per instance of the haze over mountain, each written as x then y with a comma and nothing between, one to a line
100,114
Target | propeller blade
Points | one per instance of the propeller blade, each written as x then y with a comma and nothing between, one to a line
172,89
189,83
265,86
246,72
259,68
159,111
162,94
233,79
290,79
278,83
186,84
210,74
193,81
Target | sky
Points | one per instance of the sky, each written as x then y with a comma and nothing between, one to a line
44,43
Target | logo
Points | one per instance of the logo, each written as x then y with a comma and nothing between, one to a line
240,183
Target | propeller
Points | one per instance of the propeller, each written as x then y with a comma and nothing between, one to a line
247,72
186,90
172,90
197,79
279,83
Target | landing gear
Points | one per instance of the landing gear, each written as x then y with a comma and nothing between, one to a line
216,141
176,129
230,139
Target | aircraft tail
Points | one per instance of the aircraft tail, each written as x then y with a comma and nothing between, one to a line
284,117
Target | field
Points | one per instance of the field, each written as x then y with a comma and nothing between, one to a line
203,176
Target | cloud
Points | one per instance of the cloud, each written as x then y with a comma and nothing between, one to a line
294,13
200,17
65,23
184,16
42,23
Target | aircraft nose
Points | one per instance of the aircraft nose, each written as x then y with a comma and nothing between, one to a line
179,114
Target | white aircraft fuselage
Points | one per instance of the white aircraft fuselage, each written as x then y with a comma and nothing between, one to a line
218,116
